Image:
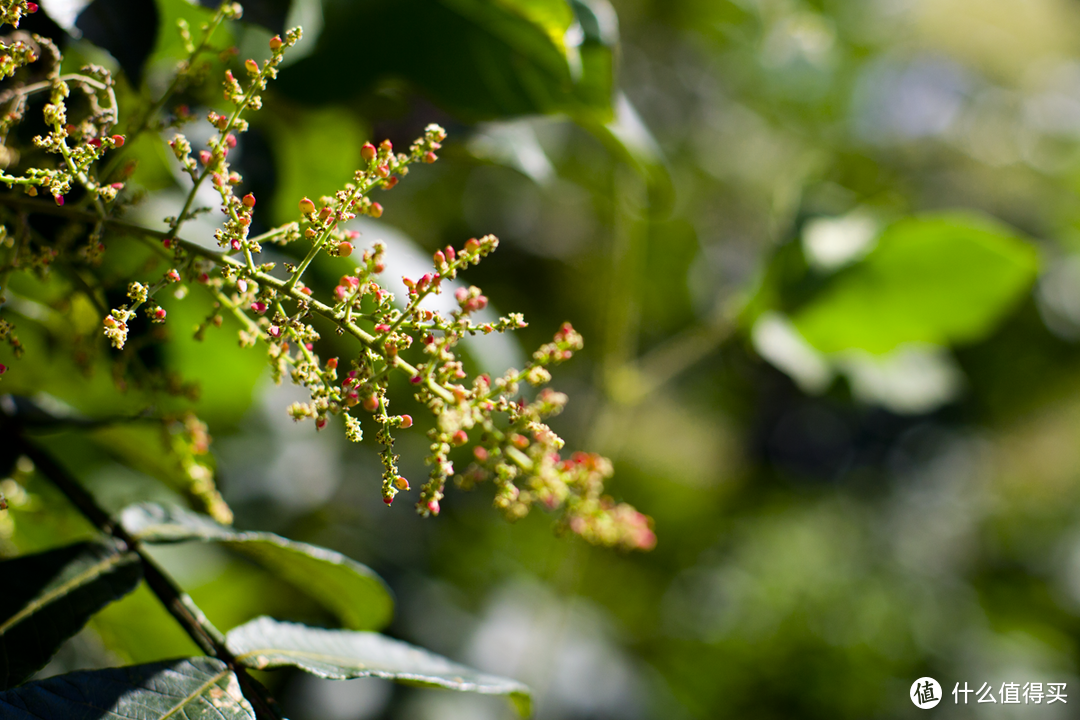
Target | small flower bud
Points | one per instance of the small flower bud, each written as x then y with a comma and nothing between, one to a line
259,307
386,146
430,157
274,331
276,42
31,7
159,314
230,140
433,507
252,66
390,182
406,421
439,258
460,437
401,483
205,157
248,200
94,142
173,275
375,210
367,152
307,207
345,249
480,453
320,422
382,327
118,140
371,403
382,171
59,199
331,364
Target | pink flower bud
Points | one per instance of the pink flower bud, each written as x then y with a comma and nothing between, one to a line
345,249
307,207
375,210
382,327
390,182
320,422
371,403
248,200
439,258
480,453
274,331
433,507
252,66
430,157
367,152
159,313
460,437
230,140
406,421
59,199
259,307
118,140
31,7
94,142
276,42
472,245
173,275
382,171
386,146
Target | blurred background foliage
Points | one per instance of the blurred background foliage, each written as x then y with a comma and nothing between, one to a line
826,258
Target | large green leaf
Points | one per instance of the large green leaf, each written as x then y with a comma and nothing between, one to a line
938,279
200,688
48,597
479,59
342,655
355,594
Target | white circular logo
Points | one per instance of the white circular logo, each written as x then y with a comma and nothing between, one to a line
925,693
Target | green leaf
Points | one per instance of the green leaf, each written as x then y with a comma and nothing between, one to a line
48,597
353,592
938,279
199,688
478,59
343,655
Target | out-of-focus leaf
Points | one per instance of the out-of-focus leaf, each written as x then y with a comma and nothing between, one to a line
199,688
938,279
270,14
343,655
355,594
495,58
48,597
128,29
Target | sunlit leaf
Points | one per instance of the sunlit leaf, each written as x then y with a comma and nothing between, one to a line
48,597
200,688
938,279
355,594
342,655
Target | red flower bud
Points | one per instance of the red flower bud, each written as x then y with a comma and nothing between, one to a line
430,157
276,42
205,157
367,152
3,367
382,327
387,499
375,210
248,200
230,140
371,403
118,140
307,207
450,254
331,364
480,453
386,146
259,307
406,421
31,7
59,199
390,182
94,142
345,249
320,422
274,331
382,171
159,313
433,507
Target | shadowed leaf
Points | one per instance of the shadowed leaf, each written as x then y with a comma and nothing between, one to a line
48,597
199,688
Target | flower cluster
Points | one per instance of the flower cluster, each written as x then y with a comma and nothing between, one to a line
482,429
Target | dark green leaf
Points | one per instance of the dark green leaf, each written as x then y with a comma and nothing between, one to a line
479,59
355,594
342,655
200,688
939,279
48,597
127,29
